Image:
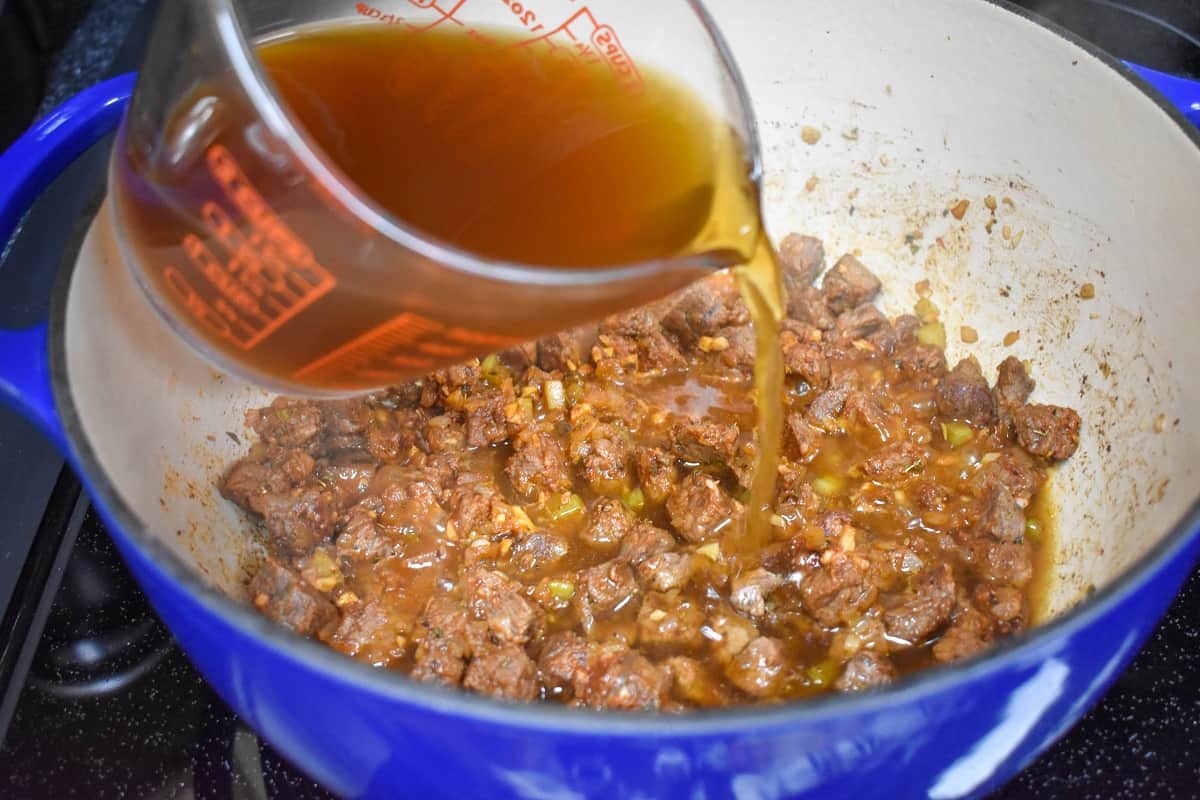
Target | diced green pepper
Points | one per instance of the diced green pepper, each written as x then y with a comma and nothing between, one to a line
563,506
711,551
561,590
824,673
574,386
926,310
634,499
489,364
932,333
829,485
525,404
957,433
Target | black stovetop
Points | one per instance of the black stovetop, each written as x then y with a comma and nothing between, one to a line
97,701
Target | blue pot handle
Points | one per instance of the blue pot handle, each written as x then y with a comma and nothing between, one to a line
26,169
1182,93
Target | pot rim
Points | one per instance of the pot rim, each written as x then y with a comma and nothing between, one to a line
550,717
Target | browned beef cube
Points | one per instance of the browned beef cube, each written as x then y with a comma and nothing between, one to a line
608,523
867,416
1013,384
806,438
521,357
392,434
1051,432
566,351
919,361
931,496
565,662
640,332
644,541
1002,519
807,304
694,682
538,465
702,441
699,510
471,511
361,536
1006,604
829,403
865,670
626,680
1003,562
487,423
656,472
1014,470
964,394
536,554
924,608
906,326
503,671
849,284
349,478
806,361
373,633
862,322
895,463
608,586
286,422
602,451
801,259
737,348
500,602
299,520
443,434
285,597
669,621
838,591
969,633
281,470
666,571
750,590
444,641
758,669
247,478
704,308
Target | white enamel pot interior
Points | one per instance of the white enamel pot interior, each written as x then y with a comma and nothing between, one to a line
919,105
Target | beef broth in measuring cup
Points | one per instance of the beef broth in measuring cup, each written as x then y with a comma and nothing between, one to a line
386,194
396,199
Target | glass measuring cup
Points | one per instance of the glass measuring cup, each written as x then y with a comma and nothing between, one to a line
263,254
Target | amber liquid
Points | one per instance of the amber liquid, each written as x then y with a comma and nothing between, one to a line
508,152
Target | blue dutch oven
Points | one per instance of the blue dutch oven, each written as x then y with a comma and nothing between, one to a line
963,99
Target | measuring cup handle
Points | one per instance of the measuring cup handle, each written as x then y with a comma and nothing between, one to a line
1182,93
26,169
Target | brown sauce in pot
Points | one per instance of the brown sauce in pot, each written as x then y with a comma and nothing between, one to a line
551,522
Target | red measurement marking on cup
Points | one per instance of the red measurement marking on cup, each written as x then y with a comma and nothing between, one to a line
378,14
246,280
441,11
588,39
406,342
525,15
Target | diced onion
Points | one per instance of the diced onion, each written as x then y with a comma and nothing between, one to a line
556,395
